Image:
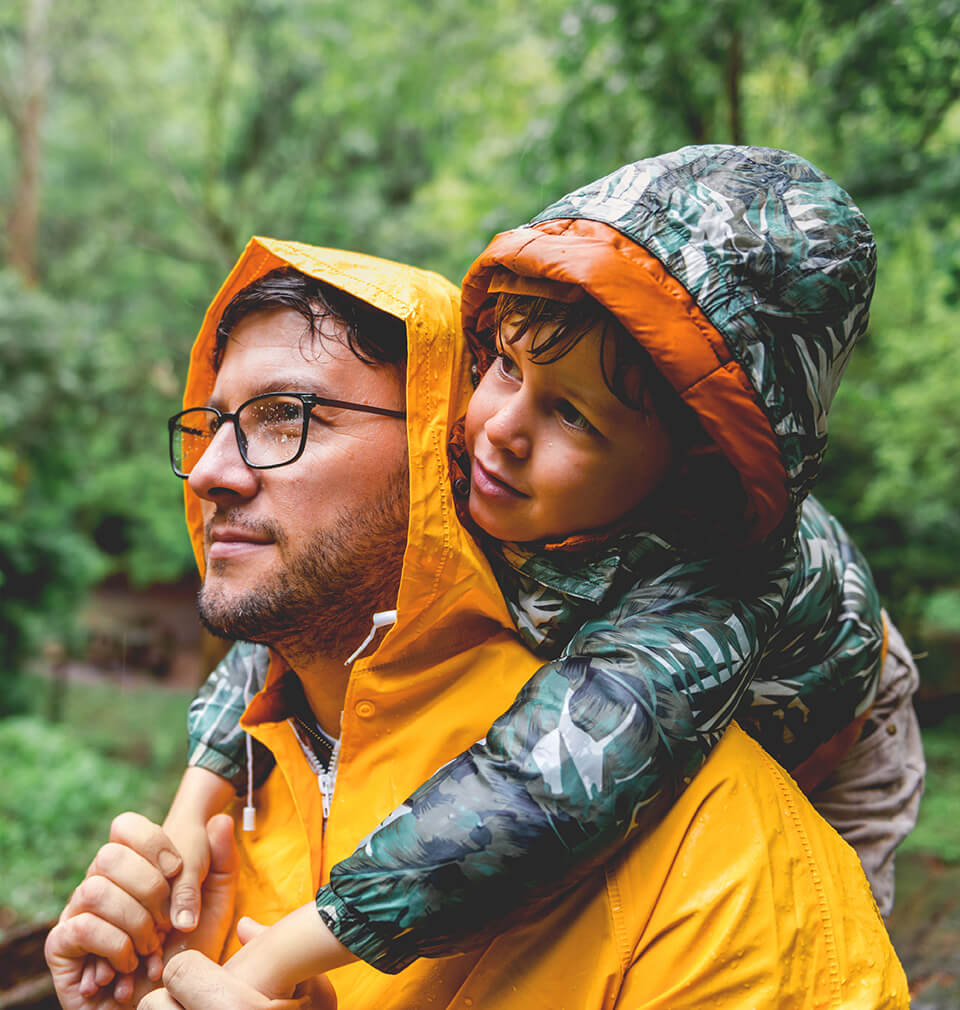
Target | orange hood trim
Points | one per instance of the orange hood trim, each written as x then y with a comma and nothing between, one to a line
662,315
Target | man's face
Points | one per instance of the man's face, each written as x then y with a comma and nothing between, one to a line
303,554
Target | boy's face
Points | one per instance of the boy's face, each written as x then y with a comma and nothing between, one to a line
553,451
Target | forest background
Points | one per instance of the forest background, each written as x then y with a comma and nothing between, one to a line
142,145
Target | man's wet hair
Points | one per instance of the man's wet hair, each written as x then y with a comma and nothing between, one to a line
374,336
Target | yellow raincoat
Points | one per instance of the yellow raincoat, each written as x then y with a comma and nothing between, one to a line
742,897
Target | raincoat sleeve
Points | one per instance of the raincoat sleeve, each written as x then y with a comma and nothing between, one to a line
595,749
216,741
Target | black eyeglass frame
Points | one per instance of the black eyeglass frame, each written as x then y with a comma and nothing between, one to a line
309,401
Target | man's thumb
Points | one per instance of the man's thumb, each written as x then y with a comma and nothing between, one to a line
221,883
219,892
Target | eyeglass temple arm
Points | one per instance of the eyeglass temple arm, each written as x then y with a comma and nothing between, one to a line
323,401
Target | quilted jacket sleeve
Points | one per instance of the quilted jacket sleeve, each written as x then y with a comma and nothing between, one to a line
216,741
596,748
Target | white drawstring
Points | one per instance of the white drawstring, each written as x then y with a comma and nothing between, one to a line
382,620
249,811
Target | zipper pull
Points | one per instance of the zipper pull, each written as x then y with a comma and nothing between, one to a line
326,783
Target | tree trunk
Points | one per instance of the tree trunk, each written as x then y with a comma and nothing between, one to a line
27,117
734,71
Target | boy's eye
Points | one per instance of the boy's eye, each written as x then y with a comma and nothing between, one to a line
508,367
572,417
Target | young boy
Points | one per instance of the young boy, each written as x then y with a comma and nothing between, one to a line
658,353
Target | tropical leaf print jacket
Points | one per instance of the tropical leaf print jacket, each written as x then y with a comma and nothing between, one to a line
747,275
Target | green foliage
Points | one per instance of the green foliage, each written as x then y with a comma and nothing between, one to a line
936,831
46,420
173,133
53,787
116,750
942,611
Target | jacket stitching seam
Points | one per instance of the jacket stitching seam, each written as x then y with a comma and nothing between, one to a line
440,461
615,903
825,918
329,268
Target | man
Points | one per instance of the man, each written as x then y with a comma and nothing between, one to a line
742,896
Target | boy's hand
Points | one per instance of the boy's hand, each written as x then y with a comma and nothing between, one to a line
256,962
275,960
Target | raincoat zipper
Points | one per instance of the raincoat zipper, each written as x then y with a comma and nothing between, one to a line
326,777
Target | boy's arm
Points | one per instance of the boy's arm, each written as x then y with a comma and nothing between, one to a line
218,768
216,740
277,959
595,749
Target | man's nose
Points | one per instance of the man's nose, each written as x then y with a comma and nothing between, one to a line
509,428
221,474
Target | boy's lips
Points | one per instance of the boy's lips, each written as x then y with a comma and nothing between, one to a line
490,484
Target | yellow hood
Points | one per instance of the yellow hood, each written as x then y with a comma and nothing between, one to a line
443,567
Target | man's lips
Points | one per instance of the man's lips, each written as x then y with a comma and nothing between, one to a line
491,484
229,541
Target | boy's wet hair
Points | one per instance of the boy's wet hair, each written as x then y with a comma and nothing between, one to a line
374,336
629,373
701,505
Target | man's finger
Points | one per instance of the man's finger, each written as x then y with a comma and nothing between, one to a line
84,934
160,999
194,982
104,899
147,838
316,994
136,875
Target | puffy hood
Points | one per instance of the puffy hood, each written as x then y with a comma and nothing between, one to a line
747,275
446,571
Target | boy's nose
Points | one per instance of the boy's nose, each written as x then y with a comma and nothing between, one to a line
508,428
221,475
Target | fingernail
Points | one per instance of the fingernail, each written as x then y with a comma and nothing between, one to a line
169,862
184,919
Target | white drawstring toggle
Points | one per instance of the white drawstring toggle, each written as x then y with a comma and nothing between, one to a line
382,620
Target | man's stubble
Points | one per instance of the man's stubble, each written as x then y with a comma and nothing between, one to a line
322,601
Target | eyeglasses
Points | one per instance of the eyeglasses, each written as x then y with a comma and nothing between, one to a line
271,429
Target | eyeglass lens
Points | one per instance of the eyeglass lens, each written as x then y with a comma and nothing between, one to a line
269,431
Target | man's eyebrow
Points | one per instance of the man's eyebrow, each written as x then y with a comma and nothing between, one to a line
293,385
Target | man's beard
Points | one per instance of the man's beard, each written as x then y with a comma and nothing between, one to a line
321,602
